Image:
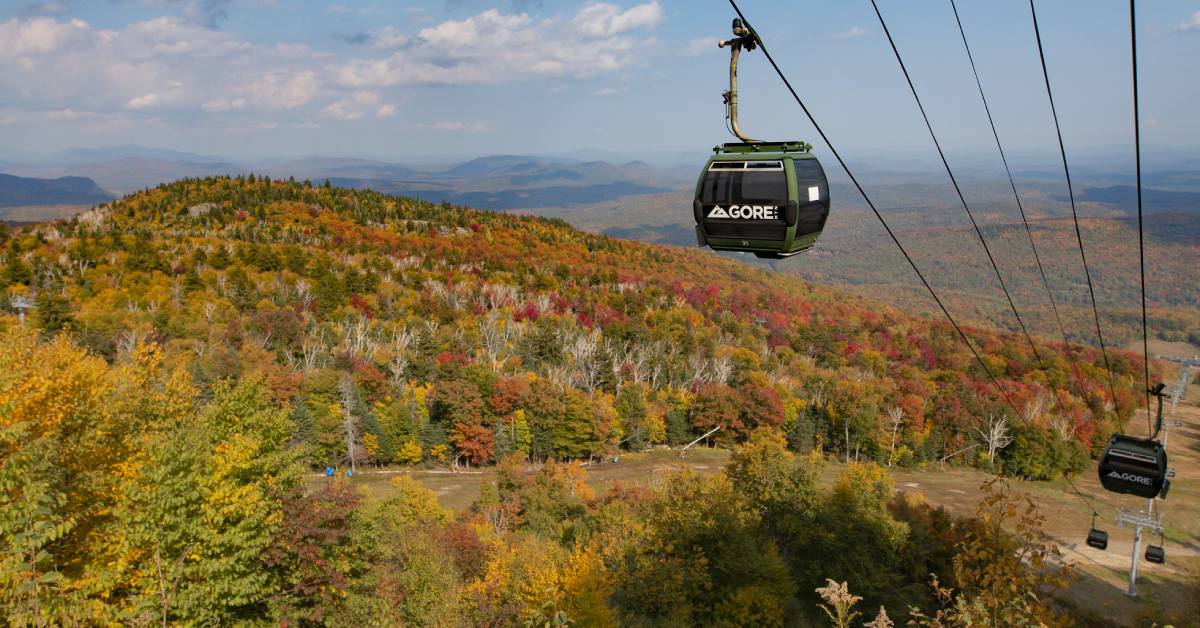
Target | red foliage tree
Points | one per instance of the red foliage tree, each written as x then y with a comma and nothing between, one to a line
717,405
313,551
473,440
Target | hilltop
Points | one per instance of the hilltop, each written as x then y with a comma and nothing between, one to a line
403,292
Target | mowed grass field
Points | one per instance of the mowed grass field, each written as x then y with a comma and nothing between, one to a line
458,490
1099,590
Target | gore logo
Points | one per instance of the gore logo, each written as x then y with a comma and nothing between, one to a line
746,212
1129,477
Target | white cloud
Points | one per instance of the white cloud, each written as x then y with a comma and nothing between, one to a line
282,91
386,38
458,126
18,116
143,101
1192,23
610,91
353,106
38,36
68,114
855,31
43,8
209,13
339,111
164,66
222,105
47,64
605,20
699,46
494,47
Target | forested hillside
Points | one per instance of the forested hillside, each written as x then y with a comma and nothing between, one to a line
18,191
855,254
194,348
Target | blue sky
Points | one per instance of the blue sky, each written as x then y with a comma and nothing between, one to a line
447,78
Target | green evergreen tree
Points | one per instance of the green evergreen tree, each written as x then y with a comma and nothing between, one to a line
16,271
220,258
679,429
631,410
52,311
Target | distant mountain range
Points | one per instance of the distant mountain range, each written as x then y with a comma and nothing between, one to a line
1153,200
25,191
568,183
503,182
497,182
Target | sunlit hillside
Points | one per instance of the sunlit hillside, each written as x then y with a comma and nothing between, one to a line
194,351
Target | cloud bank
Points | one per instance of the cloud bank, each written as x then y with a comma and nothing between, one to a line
183,65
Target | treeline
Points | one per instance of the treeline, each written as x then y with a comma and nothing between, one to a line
133,497
399,331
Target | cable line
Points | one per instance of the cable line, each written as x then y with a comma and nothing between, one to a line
1017,197
882,221
1071,193
1003,158
1028,231
954,181
1137,148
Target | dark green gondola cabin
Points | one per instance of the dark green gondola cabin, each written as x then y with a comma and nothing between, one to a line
1134,466
770,199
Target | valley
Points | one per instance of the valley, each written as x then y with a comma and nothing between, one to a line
855,253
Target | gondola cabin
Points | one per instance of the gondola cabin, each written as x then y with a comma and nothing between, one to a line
1097,539
770,199
1135,466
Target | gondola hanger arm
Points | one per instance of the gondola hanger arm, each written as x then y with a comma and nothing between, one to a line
744,37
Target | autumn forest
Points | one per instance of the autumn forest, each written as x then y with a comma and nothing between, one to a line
179,367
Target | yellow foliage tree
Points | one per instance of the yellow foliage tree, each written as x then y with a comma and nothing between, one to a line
409,453
371,444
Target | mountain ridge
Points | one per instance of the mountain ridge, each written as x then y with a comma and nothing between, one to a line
17,191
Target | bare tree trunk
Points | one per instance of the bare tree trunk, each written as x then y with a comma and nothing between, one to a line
847,424
346,388
897,415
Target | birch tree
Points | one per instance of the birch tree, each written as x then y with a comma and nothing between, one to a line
896,414
995,434
349,428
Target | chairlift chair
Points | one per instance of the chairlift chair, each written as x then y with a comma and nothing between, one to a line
1097,538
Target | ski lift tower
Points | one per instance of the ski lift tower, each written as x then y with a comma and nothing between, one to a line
1147,519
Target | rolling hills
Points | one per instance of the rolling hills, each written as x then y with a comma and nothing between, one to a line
854,252
197,349
489,182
